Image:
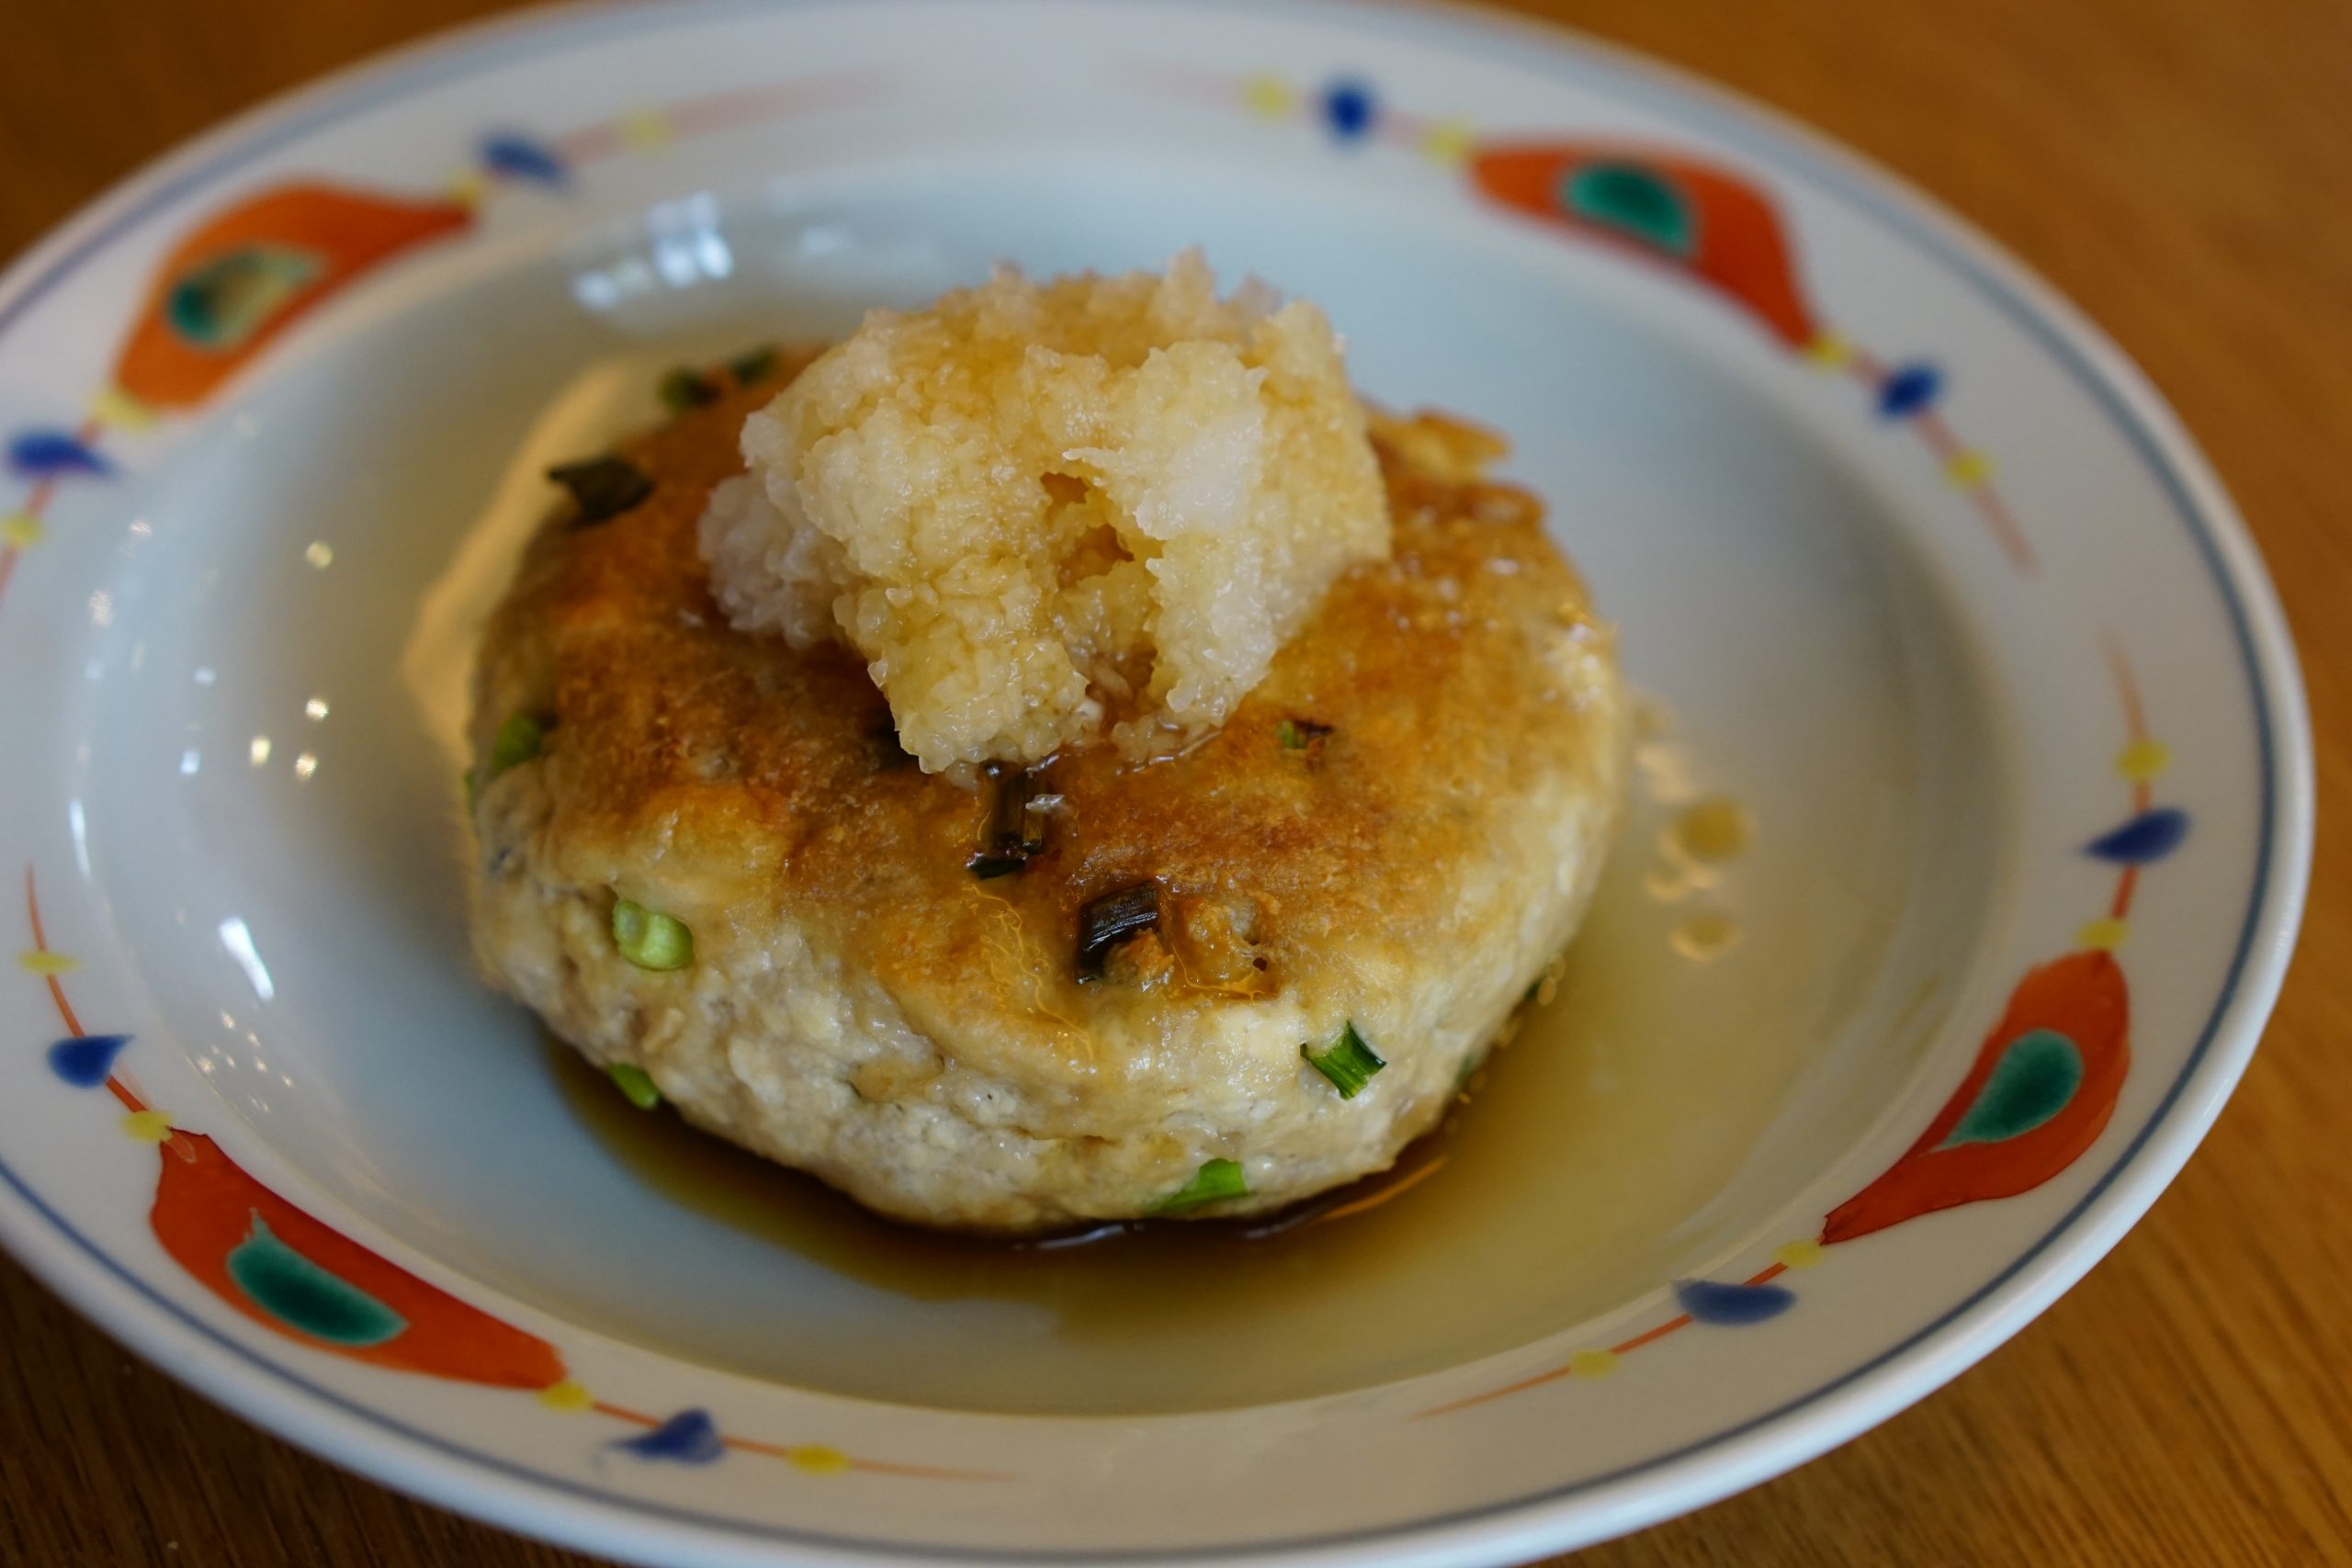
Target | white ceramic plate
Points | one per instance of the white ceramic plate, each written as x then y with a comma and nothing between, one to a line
1919,569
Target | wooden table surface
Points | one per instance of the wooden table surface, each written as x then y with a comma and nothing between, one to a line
2180,167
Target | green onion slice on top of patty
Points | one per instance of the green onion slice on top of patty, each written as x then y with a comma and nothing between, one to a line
1299,734
685,387
754,365
636,1084
650,938
1213,1182
1014,829
1347,1062
1107,921
517,742
602,487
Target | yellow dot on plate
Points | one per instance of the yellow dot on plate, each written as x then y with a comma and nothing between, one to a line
2106,934
20,530
2143,760
1269,95
647,130
1448,141
468,189
320,554
119,410
817,1458
1592,1363
566,1395
1705,935
148,1126
1968,469
1830,352
1798,1253
38,963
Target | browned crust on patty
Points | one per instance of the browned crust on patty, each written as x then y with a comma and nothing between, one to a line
730,781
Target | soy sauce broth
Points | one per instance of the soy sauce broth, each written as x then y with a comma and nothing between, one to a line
1572,1176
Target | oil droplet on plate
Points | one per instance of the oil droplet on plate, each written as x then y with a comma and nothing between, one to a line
1711,831
1666,771
1652,718
1705,935
1669,882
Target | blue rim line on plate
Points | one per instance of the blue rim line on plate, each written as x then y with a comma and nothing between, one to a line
1569,57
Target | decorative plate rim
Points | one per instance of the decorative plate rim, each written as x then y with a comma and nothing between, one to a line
389,1450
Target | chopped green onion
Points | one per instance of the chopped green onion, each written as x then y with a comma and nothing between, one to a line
1213,1183
1347,1062
754,364
602,487
684,388
650,938
1299,734
1105,922
1015,828
517,742
636,1085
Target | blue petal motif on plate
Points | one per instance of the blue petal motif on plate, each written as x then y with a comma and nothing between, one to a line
1732,1305
1348,109
522,157
1908,388
85,1061
53,454
688,1438
2150,836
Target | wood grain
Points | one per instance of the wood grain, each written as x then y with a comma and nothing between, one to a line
2177,168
